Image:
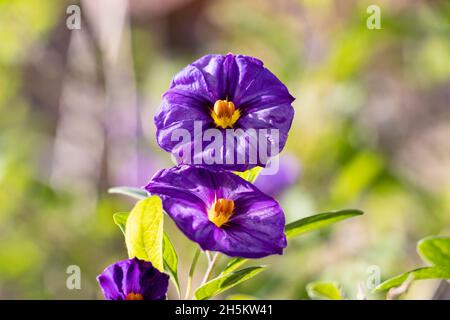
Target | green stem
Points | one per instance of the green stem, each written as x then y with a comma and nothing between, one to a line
208,255
211,265
191,273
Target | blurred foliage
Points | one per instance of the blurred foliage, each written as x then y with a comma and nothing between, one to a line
436,252
371,131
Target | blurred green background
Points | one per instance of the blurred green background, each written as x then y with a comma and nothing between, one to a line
371,131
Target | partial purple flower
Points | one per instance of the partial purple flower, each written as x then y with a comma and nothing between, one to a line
225,92
221,211
133,279
287,175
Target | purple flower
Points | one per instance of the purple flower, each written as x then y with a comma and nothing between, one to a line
225,92
221,211
286,176
133,279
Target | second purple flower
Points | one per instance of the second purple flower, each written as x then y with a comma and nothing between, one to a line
221,211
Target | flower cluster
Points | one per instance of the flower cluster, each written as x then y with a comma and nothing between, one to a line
222,113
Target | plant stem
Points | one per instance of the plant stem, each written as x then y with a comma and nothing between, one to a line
191,273
211,265
208,255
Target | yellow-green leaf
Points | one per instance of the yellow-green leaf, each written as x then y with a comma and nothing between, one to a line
418,274
120,219
323,291
318,221
233,264
435,250
249,175
144,231
222,283
170,257
240,296
171,262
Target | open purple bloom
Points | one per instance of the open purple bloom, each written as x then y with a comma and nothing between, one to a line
225,92
221,211
133,279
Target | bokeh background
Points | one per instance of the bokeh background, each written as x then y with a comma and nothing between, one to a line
371,131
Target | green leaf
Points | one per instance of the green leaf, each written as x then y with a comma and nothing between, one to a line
171,262
249,175
131,192
318,221
144,231
225,282
233,264
240,296
324,291
418,274
120,218
435,250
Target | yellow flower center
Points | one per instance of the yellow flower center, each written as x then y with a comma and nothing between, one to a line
221,211
134,296
225,114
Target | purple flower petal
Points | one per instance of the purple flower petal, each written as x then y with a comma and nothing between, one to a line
110,282
135,277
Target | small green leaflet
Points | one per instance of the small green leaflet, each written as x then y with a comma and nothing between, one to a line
318,221
323,291
225,282
249,175
120,218
435,250
131,192
144,231
171,262
233,264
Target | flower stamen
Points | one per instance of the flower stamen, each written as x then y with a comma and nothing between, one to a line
221,211
225,114
134,296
